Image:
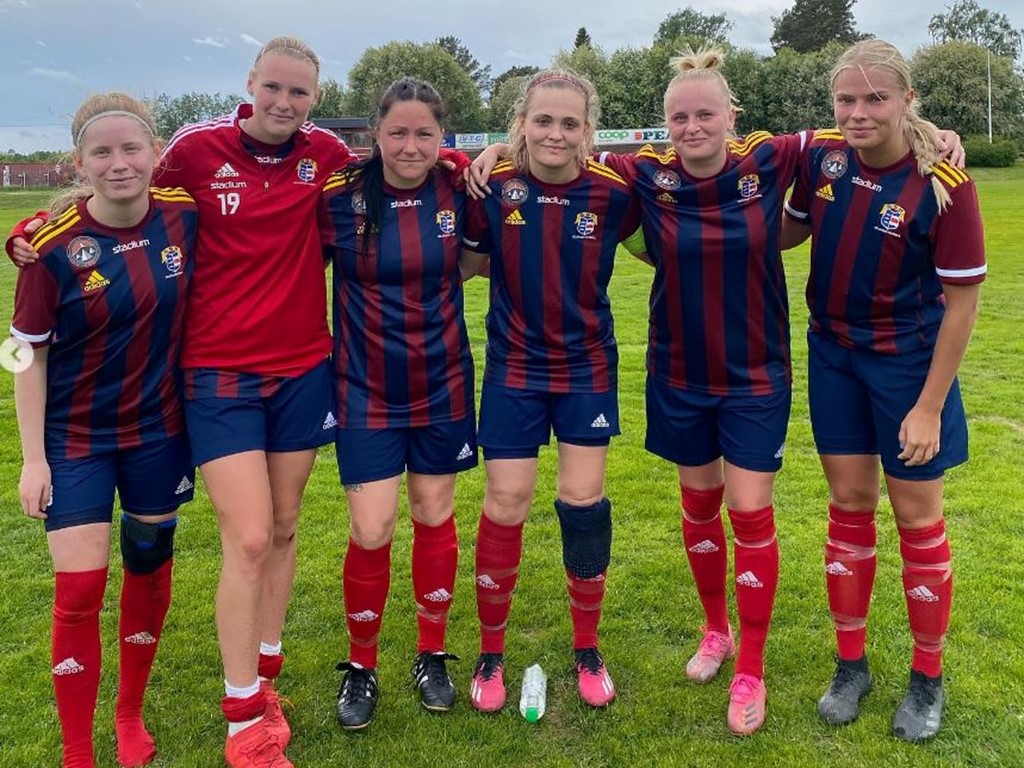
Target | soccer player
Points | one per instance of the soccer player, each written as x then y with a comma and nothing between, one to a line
897,258
551,228
403,373
99,409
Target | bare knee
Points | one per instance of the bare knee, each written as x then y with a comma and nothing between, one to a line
286,523
508,505
248,550
372,531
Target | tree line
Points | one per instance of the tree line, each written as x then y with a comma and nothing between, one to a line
783,92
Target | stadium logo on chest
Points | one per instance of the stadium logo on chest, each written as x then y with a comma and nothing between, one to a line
891,217
83,252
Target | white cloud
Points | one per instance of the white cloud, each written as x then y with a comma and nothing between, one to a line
250,40
54,74
212,41
40,43
513,54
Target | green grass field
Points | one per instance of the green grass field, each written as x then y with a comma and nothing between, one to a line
651,616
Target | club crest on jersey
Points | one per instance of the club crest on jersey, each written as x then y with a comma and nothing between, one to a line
586,223
667,179
358,204
834,164
306,170
173,260
83,252
891,217
748,186
446,223
513,192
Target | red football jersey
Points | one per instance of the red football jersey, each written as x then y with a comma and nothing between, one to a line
258,300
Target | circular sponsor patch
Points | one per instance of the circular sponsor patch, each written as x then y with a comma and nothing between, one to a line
513,192
83,252
667,179
834,164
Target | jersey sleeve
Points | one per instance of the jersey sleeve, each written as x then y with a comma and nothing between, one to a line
624,165
631,219
36,299
477,236
959,239
798,204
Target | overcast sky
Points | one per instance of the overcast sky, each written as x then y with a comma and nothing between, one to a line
56,52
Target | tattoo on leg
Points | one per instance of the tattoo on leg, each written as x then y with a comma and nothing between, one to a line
354,488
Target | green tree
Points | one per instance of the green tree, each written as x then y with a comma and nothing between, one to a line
968,22
480,75
794,91
811,24
333,100
379,67
511,72
951,82
693,27
633,91
582,38
172,112
503,99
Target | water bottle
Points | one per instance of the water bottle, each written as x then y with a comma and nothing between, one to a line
535,686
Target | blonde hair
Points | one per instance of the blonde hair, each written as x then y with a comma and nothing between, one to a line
921,136
558,79
96,107
289,46
703,65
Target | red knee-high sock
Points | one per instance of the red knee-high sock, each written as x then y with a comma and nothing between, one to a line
850,563
76,658
585,599
367,579
928,584
704,539
499,548
145,599
435,558
757,576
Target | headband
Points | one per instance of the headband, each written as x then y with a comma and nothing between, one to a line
111,113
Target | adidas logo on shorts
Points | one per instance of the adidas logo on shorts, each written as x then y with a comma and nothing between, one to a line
782,450
330,422
835,568
438,596
705,547
140,638
600,422
465,453
68,667
184,485
485,581
748,579
366,615
226,172
922,594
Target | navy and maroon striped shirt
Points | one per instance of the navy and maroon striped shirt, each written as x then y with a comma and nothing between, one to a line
110,305
719,320
552,248
401,351
880,251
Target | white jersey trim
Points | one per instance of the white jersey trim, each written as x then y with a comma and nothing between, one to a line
794,212
30,338
972,272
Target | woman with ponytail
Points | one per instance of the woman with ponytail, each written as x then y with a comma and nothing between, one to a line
99,409
403,376
897,259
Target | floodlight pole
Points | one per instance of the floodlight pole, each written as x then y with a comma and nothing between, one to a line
990,97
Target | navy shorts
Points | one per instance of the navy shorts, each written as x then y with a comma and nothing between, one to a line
366,455
152,479
858,400
693,428
514,423
228,413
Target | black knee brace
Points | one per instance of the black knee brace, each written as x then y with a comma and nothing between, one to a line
586,537
146,546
